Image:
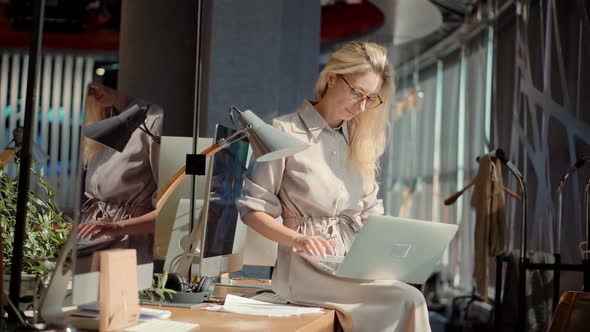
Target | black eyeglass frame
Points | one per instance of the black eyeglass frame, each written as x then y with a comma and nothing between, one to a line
364,95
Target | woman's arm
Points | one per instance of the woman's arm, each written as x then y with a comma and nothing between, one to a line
371,204
268,227
138,225
142,224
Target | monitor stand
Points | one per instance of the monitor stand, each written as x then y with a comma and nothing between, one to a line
184,244
51,305
183,250
52,300
191,251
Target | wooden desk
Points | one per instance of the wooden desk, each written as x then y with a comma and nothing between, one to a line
224,321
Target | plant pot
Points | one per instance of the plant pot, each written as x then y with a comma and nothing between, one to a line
27,284
190,298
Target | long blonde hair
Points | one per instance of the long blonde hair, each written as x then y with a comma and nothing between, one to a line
94,112
368,129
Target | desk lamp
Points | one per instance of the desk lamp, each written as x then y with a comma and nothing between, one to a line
268,143
115,132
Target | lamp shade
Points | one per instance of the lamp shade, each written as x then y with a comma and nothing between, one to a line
268,143
116,131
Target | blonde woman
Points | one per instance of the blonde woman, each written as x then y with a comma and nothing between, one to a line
325,193
120,188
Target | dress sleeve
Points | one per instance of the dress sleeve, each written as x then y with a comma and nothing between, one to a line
371,204
155,127
261,187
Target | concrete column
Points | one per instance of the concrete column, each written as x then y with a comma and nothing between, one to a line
257,54
260,55
157,58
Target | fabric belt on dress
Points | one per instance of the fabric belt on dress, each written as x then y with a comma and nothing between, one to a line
323,225
99,210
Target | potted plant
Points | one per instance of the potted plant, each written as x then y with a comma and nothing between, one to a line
47,228
157,291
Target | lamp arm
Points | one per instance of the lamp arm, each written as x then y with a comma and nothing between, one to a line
169,188
145,129
225,142
176,180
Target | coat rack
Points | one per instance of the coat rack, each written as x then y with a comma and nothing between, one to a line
524,262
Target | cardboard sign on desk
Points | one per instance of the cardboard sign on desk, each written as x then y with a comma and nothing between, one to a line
119,303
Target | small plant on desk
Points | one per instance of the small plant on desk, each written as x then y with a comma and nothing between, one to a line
158,290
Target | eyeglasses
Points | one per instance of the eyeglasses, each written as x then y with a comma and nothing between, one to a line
359,95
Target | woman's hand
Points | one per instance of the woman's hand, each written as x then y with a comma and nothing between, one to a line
107,96
95,229
144,224
313,245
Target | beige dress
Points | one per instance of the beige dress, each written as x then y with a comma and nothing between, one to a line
317,193
121,185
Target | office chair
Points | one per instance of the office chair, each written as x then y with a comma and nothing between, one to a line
572,313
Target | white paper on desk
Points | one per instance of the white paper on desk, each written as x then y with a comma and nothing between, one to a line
242,305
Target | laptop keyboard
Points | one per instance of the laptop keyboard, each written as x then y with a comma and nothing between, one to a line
330,263
327,259
87,243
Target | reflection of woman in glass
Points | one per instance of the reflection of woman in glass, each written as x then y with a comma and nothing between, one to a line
120,187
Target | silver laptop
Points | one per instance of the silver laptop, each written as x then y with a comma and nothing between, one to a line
391,248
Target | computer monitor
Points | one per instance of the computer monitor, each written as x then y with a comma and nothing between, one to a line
173,224
116,186
219,237
224,234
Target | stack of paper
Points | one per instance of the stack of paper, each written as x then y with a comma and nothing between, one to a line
242,305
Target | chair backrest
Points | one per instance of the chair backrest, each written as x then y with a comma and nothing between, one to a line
572,313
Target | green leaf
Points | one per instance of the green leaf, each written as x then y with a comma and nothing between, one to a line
46,229
164,280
